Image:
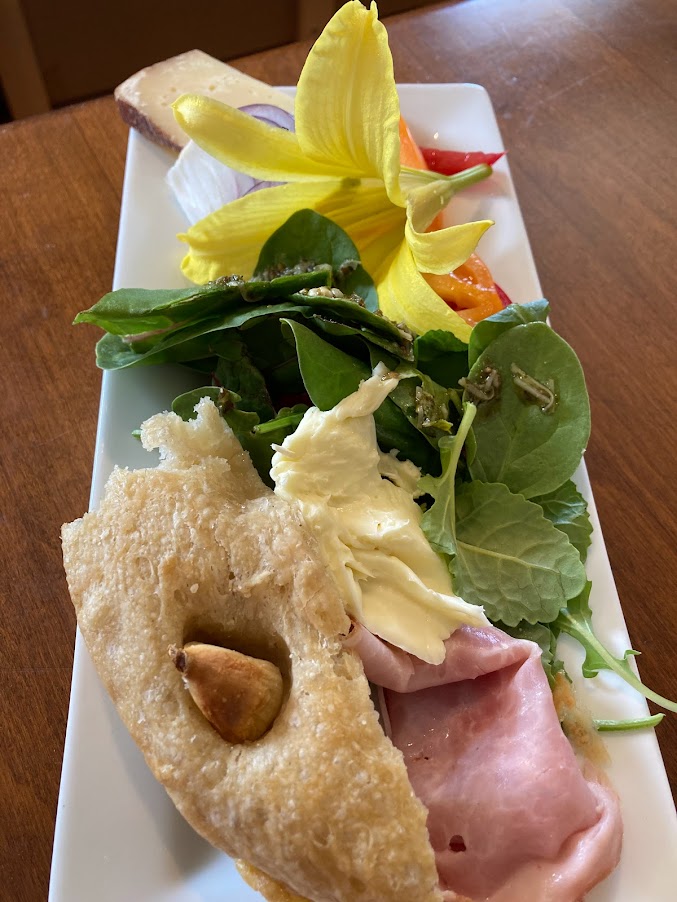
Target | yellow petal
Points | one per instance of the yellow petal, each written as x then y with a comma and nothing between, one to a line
230,240
249,145
372,221
347,108
446,249
405,296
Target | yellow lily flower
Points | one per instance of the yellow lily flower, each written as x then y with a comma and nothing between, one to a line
343,162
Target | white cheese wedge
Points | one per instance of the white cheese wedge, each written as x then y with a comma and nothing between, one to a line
368,527
145,99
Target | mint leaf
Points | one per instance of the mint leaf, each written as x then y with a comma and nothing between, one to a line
567,509
576,620
509,558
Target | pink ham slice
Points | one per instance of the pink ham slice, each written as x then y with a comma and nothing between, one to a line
511,816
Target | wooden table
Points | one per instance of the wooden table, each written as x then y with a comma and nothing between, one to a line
585,93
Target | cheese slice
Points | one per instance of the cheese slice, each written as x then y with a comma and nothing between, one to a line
145,99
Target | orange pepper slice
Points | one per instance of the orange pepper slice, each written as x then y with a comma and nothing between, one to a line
410,152
469,289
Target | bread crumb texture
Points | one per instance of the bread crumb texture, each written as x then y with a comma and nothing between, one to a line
321,802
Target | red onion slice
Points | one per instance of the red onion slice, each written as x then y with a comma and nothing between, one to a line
272,115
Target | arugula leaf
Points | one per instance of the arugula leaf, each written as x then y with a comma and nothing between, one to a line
513,315
441,356
534,422
308,236
509,558
618,726
439,521
330,375
567,509
576,620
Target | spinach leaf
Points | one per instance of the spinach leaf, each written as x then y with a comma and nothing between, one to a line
487,330
330,375
308,236
132,311
425,403
533,419
182,345
428,406
236,372
509,558
256,438
441,356
339,330
240,421
259,441
567,509
576,620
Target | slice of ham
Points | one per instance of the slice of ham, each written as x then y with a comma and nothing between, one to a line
511,816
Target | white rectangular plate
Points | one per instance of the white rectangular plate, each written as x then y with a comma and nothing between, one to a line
117,834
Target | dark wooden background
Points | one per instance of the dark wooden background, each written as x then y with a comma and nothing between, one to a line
586,96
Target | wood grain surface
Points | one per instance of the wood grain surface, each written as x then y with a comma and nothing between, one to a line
586,96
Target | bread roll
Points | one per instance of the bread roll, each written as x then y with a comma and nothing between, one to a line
199,549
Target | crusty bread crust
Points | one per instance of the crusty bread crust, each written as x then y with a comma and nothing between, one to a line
199,548
270,889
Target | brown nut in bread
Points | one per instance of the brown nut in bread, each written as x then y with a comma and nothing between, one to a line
199,549
238,694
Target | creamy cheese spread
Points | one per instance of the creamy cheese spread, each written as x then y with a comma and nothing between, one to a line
359,504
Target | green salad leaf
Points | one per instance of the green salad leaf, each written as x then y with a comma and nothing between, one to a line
441,356
131,311
330,374
567,509
617,726
533,419
509,558
576,620
439,521
256,438
309,239
487,330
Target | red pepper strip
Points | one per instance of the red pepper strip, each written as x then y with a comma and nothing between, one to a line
505,300
449,162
